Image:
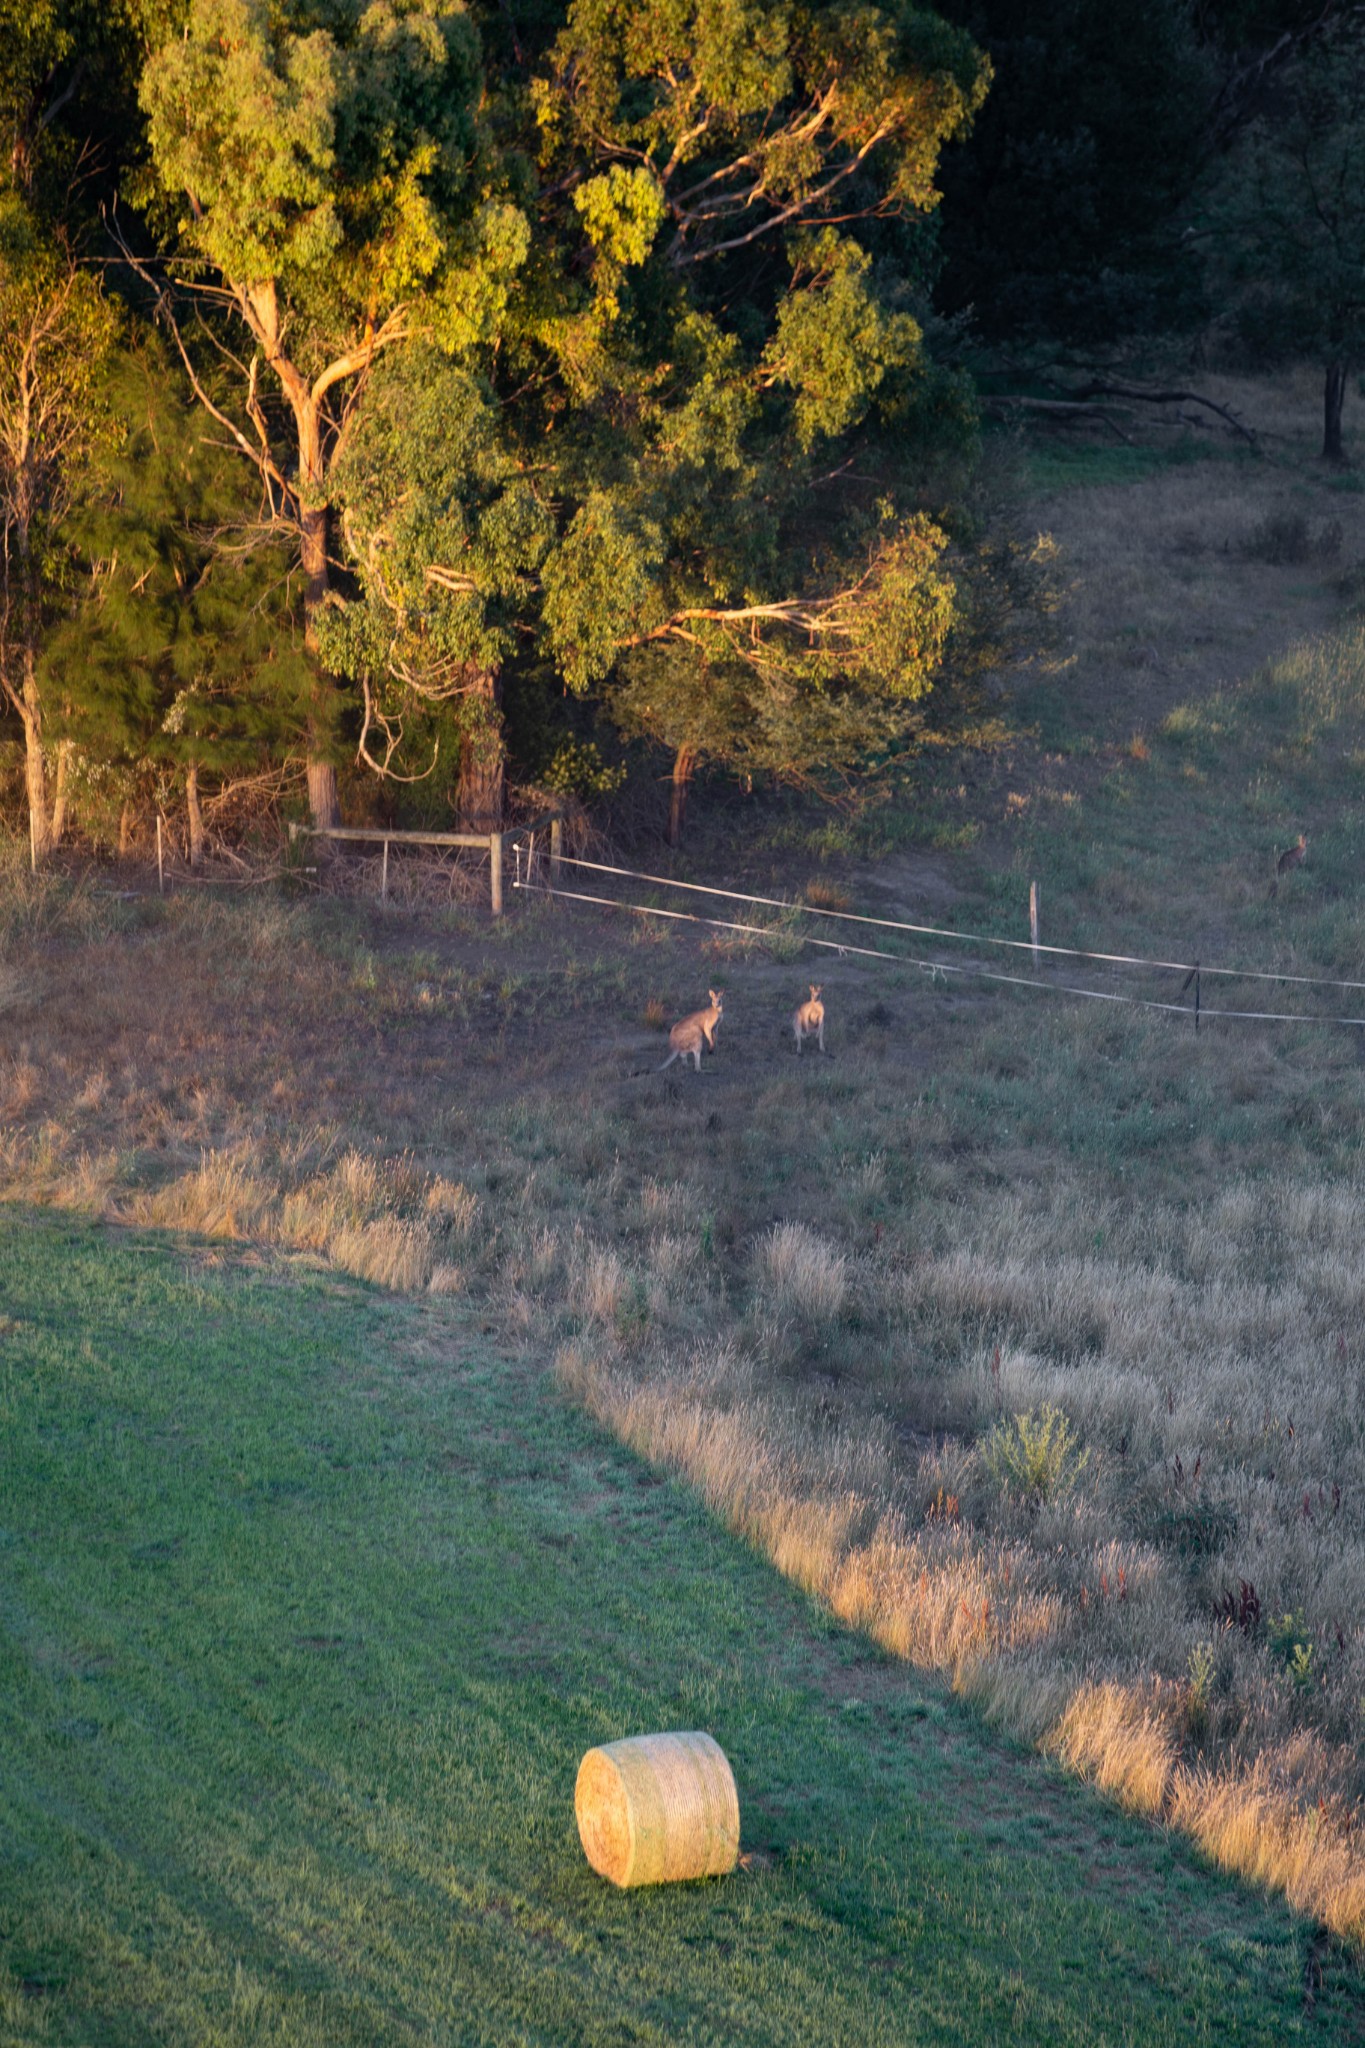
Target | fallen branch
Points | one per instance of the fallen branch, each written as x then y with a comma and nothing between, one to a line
1126,391
1062,411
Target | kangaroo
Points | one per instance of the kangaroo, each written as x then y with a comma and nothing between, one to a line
689,1035
808,1021
1291,858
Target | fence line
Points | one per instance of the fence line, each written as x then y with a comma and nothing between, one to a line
932,931
944,967
492,843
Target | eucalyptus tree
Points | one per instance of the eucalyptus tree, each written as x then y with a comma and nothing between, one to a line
1288,222
325,196
745,563
56,331
444,533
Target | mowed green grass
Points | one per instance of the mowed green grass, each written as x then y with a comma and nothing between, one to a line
310,1601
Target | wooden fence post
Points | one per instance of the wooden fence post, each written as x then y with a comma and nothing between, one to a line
556,848
495,872
384,876
160,869
1033,919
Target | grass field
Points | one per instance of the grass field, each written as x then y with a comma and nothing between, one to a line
312,1600
1022,1333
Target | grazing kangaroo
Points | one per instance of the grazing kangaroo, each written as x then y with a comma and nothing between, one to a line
689,1035
808,1021
1291,858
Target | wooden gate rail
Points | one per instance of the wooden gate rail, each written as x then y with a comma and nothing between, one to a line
490,842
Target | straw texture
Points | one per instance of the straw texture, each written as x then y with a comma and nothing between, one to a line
658,1807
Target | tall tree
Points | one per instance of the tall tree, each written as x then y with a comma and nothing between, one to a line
65,76
55,332
180,650
444,535
326,178
744,564
1288,220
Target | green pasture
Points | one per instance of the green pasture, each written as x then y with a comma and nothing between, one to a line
311,1600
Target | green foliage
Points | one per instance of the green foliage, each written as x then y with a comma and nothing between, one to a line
178,643
714,578
835,342
576,768
319,158
444,535
1290,1644
1035,1456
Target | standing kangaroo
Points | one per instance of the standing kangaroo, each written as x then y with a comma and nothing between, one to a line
1291,858
690,1033
808,1021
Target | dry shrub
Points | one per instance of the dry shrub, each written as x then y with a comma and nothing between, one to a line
1251,1825
221,1198
20,1081
822,894
804,1276
597,1284
1290,540
452,1204
390,1252
1111,1734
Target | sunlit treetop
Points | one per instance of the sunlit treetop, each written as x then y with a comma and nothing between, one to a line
323,148
747,116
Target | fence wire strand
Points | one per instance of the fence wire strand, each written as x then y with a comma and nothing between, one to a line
932,931
949,967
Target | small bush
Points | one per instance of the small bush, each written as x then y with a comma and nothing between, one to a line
822,894
389,1253
1035,1457
805,1276
1288,1641
1289,540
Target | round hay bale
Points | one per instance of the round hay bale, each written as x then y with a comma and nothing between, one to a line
658,1807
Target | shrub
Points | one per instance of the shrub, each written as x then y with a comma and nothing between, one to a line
1035,1457
805,1276
1289,540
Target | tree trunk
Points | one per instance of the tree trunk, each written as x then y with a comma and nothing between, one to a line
322,776
65,750
684,761
479,799
195,814
26,699
35,777
1334,392
40,837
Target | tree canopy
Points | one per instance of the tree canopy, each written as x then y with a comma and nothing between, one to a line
574,369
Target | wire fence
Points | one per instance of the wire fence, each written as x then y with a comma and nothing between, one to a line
1194,971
